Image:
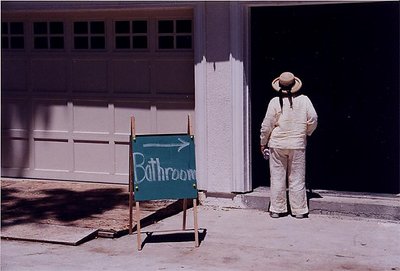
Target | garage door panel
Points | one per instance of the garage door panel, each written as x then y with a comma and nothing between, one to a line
50,135
89,76
66,112
15,153
131,76
14,77
123,113
53,155
91,117
50,75
92,157
15,114
173,118
122,159
173,76
51,115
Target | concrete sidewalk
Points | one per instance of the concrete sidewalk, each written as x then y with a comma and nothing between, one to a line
231,239
71,213
368,205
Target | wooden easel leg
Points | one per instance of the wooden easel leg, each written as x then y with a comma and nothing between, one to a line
131,174
196,226
184,214
139,237
130,206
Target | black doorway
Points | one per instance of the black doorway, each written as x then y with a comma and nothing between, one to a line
347,56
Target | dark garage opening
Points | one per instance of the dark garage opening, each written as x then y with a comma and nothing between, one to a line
347,56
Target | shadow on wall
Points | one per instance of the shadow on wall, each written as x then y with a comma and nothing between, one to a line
347,56
17,124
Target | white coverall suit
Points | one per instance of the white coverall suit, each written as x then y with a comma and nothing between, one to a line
285,131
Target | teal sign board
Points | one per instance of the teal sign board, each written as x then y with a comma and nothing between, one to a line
164,167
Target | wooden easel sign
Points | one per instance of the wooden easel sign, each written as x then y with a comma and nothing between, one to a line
162,167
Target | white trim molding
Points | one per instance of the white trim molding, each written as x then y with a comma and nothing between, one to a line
241,164
200,82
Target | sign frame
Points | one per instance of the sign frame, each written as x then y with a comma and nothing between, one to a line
137,204
164,167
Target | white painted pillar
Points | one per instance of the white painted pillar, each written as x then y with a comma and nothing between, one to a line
240,103
200,81
221,100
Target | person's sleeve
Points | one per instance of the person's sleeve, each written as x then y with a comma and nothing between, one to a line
312,118
268,124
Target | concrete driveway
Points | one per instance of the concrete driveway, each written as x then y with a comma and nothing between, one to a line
231,239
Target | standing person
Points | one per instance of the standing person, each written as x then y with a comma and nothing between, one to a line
289,119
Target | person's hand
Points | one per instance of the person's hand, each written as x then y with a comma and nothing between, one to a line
265,152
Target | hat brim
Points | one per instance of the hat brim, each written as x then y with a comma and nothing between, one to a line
295,88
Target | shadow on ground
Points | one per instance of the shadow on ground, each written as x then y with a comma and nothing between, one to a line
163,237
57,204
84,205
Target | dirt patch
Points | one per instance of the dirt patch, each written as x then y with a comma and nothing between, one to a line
88,205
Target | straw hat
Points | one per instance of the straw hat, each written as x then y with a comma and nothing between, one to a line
287,81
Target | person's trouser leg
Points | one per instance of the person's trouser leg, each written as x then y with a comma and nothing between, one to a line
277,166
296,180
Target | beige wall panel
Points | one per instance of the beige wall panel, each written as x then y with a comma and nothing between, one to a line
122,159
52,155
123,113
50,75
173,76
89,75
14,76
92,157
172,118
91,117
14,153
131,76
51,116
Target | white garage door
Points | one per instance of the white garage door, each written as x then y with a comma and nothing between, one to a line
72,80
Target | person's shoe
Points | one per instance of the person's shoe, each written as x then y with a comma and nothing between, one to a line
301,216
274,215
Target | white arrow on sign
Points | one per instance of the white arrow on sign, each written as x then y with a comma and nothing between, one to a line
181,145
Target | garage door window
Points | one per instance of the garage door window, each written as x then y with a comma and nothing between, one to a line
89,35
131,34
175,34
48,35
12,35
